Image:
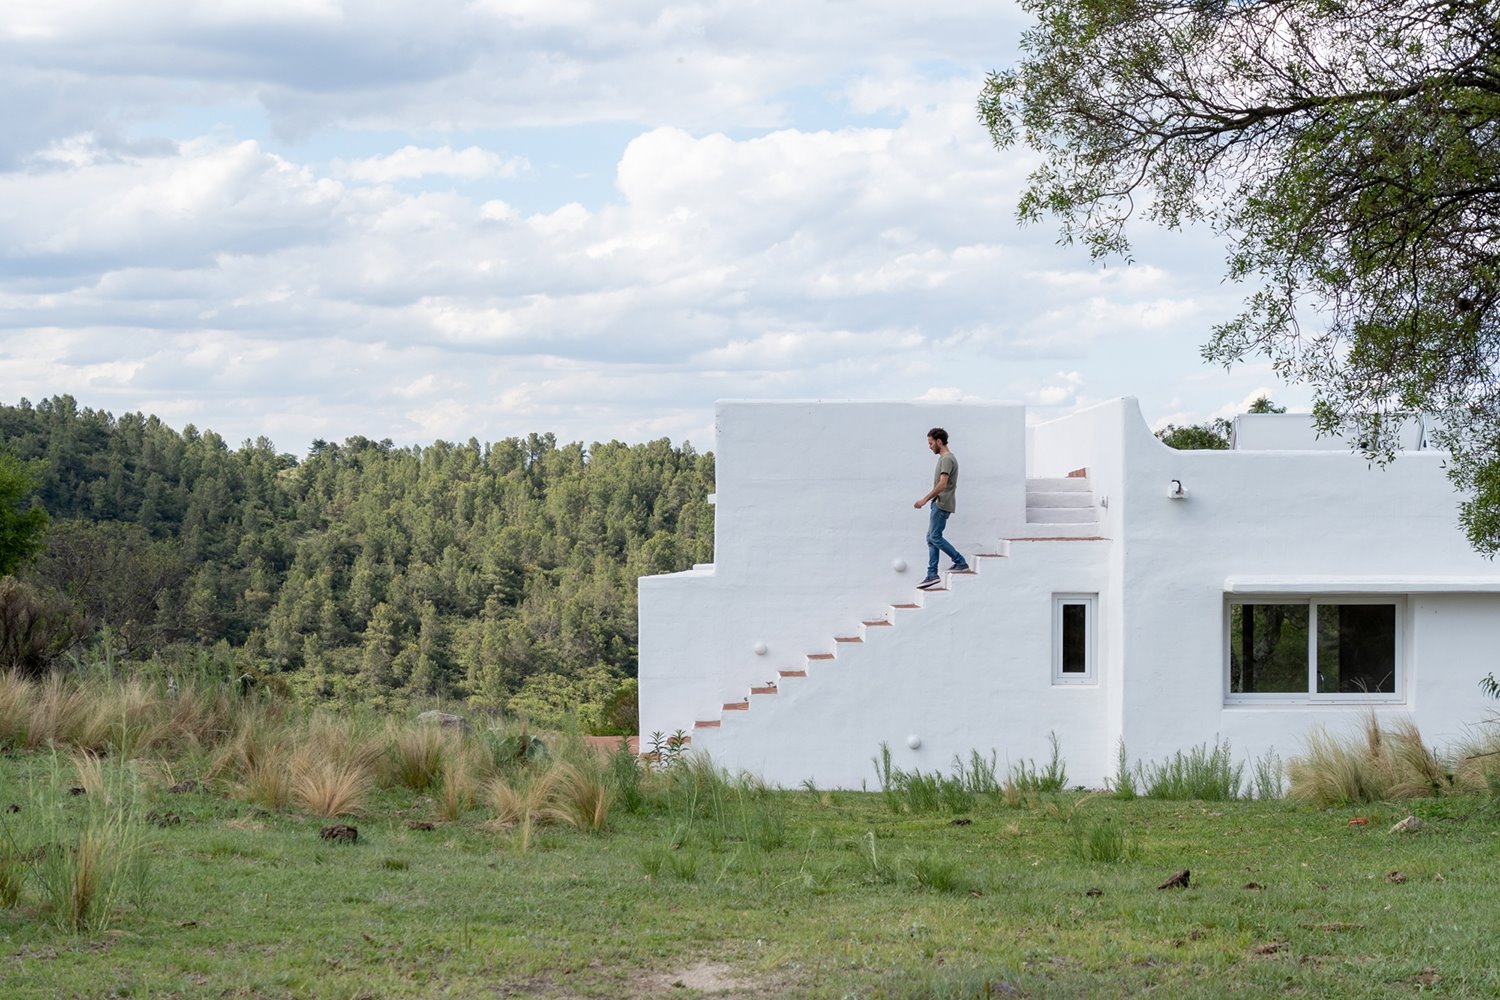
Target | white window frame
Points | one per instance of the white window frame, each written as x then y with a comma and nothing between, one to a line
1312,696
1090,673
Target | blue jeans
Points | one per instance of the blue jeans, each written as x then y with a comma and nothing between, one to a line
937,520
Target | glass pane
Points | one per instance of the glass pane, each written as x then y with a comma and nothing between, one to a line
1357,648
1075,625
1268,648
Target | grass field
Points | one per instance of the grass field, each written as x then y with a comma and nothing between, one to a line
723,890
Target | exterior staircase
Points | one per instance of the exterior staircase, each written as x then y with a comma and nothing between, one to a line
1060,508
844,646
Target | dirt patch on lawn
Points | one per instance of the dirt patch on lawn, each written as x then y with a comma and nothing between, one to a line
713,979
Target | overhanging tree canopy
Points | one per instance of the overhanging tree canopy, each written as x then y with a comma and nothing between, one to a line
1348,152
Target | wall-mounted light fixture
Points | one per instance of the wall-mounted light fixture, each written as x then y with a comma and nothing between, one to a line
1175,490
899,565
761,649
914,741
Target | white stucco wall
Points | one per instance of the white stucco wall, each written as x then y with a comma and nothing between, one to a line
1328,521
814,506
813,510
970,670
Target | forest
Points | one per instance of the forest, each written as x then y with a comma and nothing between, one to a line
502,575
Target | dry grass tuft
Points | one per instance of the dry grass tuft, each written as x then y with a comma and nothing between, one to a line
1376,765
89,769
57,711
415,754
1478,766
464,764
328,786
523,801
583,794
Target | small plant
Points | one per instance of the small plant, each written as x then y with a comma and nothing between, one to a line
683,865
937,874
522,802
874,869
265,782
414,756
85,872
1104,842
1026,777
652,859
625,778
330,787
456,795
509,751
1267,776
1123,784
917,792
1201,773
13,864
584,793
666,752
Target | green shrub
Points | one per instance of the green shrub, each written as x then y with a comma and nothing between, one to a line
1202,773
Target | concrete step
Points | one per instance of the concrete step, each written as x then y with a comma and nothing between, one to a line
1076,498
1059,532
1062,515
1070,484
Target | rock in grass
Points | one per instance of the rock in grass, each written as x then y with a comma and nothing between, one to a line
185,786
1408,825
420,824
163,819
340,833
445,719
1179,880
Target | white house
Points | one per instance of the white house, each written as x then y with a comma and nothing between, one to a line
1124,591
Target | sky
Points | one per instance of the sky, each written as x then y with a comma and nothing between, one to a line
449,219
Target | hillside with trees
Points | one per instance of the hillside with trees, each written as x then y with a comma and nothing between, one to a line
502,573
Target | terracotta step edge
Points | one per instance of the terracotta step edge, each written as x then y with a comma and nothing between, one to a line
847,638
768,689
737,706
707,724
876,622
820,656
792,673
906,607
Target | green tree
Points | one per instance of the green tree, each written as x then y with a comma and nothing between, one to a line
1212,435
1347,153
23,524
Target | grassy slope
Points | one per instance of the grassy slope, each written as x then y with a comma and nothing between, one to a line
255,905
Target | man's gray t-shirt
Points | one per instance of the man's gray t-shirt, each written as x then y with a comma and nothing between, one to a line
946,463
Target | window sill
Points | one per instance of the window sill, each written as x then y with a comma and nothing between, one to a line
1310,701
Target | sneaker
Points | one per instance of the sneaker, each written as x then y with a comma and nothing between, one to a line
959,568
930,582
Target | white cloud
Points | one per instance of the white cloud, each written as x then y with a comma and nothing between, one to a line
411,162
1062,389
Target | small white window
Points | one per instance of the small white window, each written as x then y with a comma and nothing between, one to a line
1073,638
